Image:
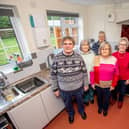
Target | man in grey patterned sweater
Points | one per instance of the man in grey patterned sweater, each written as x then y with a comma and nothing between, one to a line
69,77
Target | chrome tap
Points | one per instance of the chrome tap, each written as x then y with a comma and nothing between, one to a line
3,80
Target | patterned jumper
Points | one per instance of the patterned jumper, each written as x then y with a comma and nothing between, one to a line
68,72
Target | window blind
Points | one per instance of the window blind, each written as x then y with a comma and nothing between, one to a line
62,14
6,12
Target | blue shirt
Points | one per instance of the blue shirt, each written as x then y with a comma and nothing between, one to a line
95,47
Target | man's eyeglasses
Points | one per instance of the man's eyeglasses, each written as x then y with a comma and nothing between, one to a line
67,43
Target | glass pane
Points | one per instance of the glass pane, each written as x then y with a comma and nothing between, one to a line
57,23
57,31
3,59
5,22
67,32
56,18
75,39
53,41
0,46
50,23
13,51
59,42
9,45
52,37
51,31
54,21
69,20
74,31
10,42
8,38
49,17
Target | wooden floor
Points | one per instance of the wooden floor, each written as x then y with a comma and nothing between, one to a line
116,119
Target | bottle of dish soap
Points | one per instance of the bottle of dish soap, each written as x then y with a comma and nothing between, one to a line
13,64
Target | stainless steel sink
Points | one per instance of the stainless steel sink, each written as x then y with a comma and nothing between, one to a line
30,84
8,96
15,93
9,93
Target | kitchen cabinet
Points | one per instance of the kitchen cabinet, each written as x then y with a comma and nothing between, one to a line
53,104
29,115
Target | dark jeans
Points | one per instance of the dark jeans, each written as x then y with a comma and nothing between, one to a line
67,97
119,90
103,97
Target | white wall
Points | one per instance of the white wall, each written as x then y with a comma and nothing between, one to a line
28,7
98,20
122,12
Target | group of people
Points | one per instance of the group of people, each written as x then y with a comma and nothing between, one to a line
78,75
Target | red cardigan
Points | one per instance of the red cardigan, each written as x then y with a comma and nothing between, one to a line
123,63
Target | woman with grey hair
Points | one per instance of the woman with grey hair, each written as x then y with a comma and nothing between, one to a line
123,62
104,76
88,57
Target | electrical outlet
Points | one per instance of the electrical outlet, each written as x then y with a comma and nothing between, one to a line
43,66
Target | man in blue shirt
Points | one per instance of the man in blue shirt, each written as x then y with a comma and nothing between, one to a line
96,45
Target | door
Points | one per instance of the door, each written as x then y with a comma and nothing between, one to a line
53,104
29,115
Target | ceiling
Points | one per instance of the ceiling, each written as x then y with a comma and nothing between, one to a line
94,2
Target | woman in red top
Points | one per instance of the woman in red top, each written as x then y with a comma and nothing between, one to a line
123,63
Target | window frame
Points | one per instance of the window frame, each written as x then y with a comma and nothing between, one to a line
19,33
63,25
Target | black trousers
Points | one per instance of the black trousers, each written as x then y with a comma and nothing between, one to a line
103,98
119,91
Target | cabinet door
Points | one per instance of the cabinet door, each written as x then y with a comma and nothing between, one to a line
53,104
30,114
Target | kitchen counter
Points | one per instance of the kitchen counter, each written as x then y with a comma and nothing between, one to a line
8,105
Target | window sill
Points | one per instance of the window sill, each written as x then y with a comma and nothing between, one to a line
6,69
9,68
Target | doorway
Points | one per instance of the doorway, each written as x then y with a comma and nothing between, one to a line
125,32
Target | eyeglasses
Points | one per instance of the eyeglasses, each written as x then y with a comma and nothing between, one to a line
123,44
68,43
105,49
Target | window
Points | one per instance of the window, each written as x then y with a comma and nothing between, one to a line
12,41
62,24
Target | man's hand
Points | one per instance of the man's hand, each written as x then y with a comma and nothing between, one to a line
86,88
57,93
